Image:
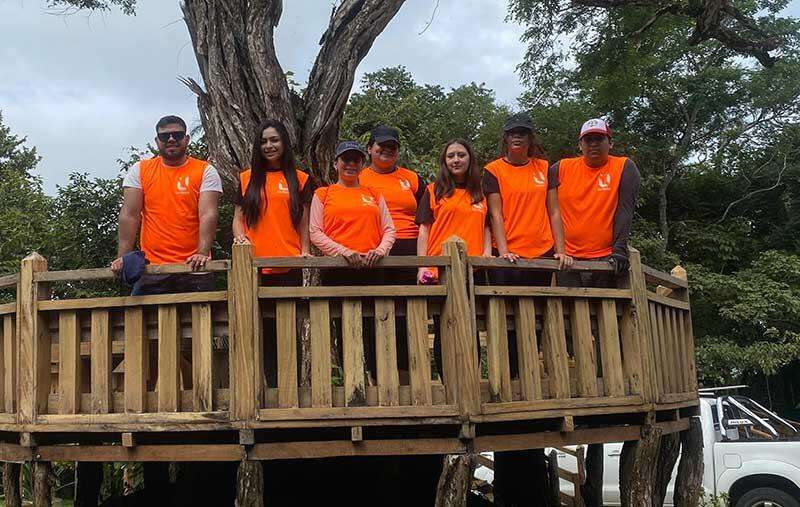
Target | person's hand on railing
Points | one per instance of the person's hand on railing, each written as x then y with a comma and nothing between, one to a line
424,276
564,261
509,256
116,265
306,255
620,263
372,258
354,259
241,240
198,261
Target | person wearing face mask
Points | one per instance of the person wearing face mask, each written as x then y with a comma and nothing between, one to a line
597,197
272,203
401,188
523,205
351,220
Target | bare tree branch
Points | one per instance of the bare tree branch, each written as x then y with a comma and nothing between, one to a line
755,192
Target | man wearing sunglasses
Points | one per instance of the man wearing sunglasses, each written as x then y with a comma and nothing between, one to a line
173,198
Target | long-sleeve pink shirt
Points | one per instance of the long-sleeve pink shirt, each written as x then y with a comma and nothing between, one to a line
347,220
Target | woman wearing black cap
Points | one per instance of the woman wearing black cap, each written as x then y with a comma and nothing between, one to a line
523,205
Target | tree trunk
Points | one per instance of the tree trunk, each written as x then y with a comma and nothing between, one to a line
663,221
250,484
42,495
592,489
689,481
455,481
88,479
11,484
637,468
669,448
244,84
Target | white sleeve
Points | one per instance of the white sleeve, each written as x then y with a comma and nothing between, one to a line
211,180
133,177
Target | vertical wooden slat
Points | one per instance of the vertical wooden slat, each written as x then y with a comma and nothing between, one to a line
245,377
353,352
69,363
7,333
320,353
497,351
419,363
664,343
685,321
554,347
202,358
656,341
609,348
136,360
527,349
101,363
10,364
386,353
168,359
642,327
583,346
631,353
677,354
286,321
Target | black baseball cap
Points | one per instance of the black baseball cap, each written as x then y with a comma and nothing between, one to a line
346,146
383,133
519,120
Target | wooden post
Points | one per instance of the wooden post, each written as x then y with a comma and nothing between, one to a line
460,333
11,487
242,298
592,488
688,483
42,495
33,340
641,327
637,466
455,481
250,484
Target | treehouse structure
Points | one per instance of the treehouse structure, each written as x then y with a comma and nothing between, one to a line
181,377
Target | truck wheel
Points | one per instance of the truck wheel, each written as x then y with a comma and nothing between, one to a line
767,497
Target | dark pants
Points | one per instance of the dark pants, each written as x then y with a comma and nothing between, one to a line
603,279
173,284
292,278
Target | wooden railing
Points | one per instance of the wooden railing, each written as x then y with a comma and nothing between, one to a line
197,360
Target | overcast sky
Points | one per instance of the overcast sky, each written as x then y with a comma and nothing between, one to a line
82,88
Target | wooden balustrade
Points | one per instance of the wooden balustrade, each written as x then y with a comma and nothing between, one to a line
211,359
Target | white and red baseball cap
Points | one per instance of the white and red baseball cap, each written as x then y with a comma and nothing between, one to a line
595,126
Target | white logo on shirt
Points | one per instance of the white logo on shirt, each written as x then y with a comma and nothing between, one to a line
405,184
282,188
368,200
604,181
539,178
479,206
182,184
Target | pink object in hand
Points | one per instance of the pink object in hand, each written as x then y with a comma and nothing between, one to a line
427,278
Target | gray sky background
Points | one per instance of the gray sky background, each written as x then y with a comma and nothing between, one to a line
84,87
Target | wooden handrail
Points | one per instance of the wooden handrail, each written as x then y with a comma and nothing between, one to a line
395,261
653,275
9,281
537,264
76,275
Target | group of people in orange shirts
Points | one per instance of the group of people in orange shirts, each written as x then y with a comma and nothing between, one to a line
517,206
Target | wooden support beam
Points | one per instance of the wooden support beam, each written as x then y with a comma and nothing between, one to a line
356,433
128,440
34,341
27,439
247,437
567,424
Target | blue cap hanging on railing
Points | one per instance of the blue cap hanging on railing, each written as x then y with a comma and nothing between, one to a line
133,264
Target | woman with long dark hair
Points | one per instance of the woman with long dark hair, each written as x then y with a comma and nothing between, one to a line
272,203
453,205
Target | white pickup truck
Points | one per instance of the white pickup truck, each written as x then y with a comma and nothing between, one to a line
750,454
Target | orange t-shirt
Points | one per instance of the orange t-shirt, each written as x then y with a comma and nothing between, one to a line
523,190
274,235
351,216
170,212
399,189
588,198
453,216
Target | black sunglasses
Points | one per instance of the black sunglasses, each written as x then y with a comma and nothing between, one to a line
178,135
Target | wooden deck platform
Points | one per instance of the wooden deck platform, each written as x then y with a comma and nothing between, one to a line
228,375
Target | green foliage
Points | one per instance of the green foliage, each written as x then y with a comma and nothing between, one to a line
712,500
127,6
426,116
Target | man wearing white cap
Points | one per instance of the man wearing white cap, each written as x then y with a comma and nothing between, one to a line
597,195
